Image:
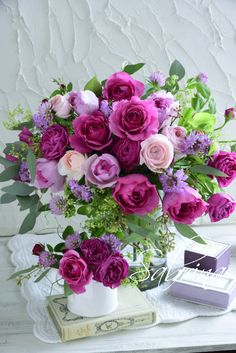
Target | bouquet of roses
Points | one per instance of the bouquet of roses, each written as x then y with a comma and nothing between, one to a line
130,157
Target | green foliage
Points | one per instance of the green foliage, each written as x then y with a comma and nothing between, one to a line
131,69
188,232
95,86
177,69
19,273
31,163
42,275
207,170
7,198
19,188
17,118
67,290
203,122
6,163
9,173
233,148
68,231
26,202
30,220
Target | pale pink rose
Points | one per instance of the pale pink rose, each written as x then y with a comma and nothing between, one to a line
61,106
70,164
84,102
157,152
176,135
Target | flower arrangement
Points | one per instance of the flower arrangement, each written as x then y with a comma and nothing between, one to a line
130,157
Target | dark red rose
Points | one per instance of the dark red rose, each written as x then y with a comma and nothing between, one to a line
94,251
127,152
26,136
37,249
54,142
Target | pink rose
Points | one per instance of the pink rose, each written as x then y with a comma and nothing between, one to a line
102,171
47,175
220,206
26,136
157,152
226,163
166,105
61,106
71,164
84,102
121,85
74,271
136,119
127,152
91,132
135,194
112,271
185,206
176,135
54,141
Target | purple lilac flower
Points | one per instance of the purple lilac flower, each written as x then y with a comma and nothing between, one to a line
82,192
195,143
113,242
158,77
173,182
202,76
105,108
43,118
46,259
73,241
57,205
24,173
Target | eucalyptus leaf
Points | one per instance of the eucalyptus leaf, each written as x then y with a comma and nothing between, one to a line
42,275
30,220
27,201
18,188
9,173
31,163
131,69
207,170
7,198
95,86
188,232
6,163
26,270
132,238
177,69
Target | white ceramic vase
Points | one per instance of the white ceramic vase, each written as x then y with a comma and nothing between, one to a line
98,300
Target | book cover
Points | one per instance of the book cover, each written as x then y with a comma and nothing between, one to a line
134,310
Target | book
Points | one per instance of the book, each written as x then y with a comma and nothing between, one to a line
133,311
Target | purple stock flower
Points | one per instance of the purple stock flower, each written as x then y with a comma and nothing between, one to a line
202,76
73,241
24,173
112,241
196,142
57,205
43,118
105,108
82,192
158,77
46,259
173,182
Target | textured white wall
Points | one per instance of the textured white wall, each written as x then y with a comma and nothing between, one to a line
75,39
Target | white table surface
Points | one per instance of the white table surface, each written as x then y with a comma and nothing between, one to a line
197,335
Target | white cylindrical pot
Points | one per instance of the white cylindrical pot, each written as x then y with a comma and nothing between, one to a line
98,300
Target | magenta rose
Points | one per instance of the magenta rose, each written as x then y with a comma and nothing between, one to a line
91,132
54,142
102,171
74,271
47,175
226,163
135,194
26,136
121,85
112,271
220,206
136,119
185,206
127,152
94,251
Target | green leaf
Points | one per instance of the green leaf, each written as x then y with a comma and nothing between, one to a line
50,248
16,146
28,124
69,87
59,247
9,173
68,231
67,290
26,270
188,232
197,102
132,238
83,210
7,198
207,170
212,106
6,162
95,86
18,188
44,208
203,121
233,148
131,69
177,69
30,220
203,89
31,162
27,201
42,275
55,93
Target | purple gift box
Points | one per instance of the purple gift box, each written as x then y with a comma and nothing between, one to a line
204,287
213,256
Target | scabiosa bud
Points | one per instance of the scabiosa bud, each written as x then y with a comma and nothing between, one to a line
43,118
46,259
230,113
24,173
158,78
196,142
37,249
112,241
57,205
173,182
73,241
82,192
202,77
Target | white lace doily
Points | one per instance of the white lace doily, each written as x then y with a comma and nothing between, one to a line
169,309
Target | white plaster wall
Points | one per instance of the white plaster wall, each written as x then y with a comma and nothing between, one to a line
74,39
